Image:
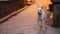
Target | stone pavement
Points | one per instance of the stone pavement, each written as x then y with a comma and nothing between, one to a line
24,22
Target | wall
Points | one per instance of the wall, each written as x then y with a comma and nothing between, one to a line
43,3
7,7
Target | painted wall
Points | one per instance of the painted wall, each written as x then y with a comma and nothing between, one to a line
7,8
43,3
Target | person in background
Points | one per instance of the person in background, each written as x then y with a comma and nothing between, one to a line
41,17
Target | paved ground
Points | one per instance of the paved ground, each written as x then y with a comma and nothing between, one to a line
24,22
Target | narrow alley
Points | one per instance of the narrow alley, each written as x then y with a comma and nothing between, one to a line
26,22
